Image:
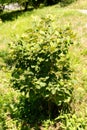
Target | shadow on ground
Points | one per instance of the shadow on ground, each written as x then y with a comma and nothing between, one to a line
12,15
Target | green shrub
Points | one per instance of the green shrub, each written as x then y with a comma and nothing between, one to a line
41,69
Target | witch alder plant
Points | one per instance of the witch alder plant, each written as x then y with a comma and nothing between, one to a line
41,66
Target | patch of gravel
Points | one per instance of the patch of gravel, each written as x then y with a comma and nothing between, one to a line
83,11
12,6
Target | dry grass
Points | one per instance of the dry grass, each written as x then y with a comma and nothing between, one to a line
79,4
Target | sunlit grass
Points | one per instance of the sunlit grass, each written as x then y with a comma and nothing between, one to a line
79,4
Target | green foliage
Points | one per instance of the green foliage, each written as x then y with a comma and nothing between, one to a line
72,122
7,109
66,2
36,3
41,68
7,1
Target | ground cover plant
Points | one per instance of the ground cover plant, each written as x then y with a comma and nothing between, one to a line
78,54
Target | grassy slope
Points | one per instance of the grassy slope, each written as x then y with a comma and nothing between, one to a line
79,4
10,30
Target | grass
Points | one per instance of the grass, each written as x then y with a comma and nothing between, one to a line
79,4
12,29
